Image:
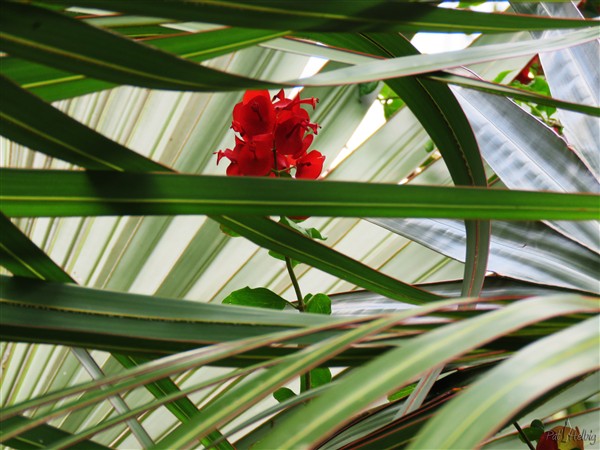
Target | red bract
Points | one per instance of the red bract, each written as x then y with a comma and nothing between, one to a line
275,135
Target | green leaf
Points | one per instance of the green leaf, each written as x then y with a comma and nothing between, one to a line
281,257
252,390
75,193
308,232
282,394
401,366
26,259
420,64
442,117
58,135
318,304
319,376
148,372
572,74
23,258
519,92
42,437
334,15
52,84
551,361
258,297
54,39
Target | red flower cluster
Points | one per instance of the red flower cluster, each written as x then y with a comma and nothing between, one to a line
274,137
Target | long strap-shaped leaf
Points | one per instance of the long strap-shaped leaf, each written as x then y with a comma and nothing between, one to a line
440,114
42,436
114,156
508,91
52,84
400,366
247,394
158,369
572,73
271,235
22,257
32,122
73,193
56,40
53,39
333,15
483,408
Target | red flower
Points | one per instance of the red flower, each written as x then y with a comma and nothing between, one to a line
252,158
275,137
254,115
310,165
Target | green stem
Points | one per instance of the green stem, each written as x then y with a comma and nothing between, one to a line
304,379
524,436
290,269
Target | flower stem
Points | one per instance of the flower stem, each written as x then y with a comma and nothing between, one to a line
524,436
304,379
290,269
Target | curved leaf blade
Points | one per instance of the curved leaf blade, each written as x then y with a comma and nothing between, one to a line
401,366
334,15
572,73
551,361
56,40
74,193
58,135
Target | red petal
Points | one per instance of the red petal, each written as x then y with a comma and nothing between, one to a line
310,165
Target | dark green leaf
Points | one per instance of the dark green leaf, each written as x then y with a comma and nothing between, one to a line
42,437
23,258
95,193
258,297
333,15
68,44
52,84
537,424
282,394
58,135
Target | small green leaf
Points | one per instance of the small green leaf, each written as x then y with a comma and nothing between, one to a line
319,376
402,393
429,146
367,88
501,76
390,106
538,424
259,298
390,101
308,232
318,304
282,394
